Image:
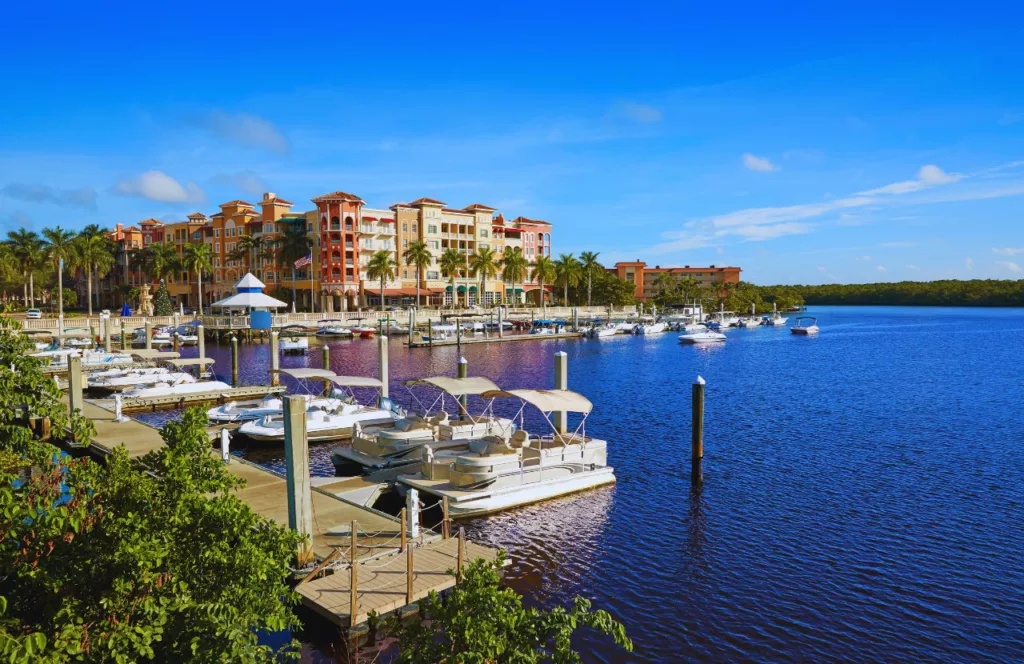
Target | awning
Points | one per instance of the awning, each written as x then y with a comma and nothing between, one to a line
462,289
547,400
473,289
356,381
369,218
457,386
250,301
392,291
385,220
303,372
448,289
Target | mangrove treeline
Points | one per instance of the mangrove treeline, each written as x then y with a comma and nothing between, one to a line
945,293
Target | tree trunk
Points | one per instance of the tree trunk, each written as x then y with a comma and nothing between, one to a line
540,294
293,288
382,294
588,288
199,278
24,275
88,288
32,288
419,279
60,292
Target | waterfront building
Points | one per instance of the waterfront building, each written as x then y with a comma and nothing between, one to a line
534,239
645,279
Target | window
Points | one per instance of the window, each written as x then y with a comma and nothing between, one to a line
434,244
405,227
216,262
405,244
433,274
414,228
432,228
268,228
216,232
216,247
309,228
483,232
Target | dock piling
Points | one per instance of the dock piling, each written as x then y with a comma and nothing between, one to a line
463,372
560,417
124,337
353,603
412,510
697,426
461,560
409,575
430,332
382,354
106,336
296,449
234,361
149,334
327,366
402,518
501,323
412,321
446,530
225,445
275,360
175,342
201,334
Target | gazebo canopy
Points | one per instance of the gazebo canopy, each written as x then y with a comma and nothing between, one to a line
249,295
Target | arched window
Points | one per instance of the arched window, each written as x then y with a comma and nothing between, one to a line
336,256
336,273
335,224
349,224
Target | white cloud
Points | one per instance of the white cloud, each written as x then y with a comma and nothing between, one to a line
759,164
1009,251
880,268
245,129
720,250
927,176
640,112
911,266
770,232
158,186
36,192
969,263
866,258
895,245
822,268
1011,266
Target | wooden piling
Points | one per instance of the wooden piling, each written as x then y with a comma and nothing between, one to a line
175,344
106,336
430,332
328,385
405,537
382,355
300,499
75,386
697,430
201,334
148,326
234,361
354,577
409,575
446,523
461,560
560,418
463,372
275,360
124,337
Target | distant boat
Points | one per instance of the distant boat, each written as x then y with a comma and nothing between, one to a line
705,337
775,320
294,340
333,328
805,325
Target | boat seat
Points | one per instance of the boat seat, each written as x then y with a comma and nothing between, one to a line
440,419
490,445
519,439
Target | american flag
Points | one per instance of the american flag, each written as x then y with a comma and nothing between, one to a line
304,261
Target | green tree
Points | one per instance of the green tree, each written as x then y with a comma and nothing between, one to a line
198,258
567,274
589,265
162,305
162,260
453,265
514,267
27,248
294,244
485,264
60,249
94,255
480,621
668,292
418,256
381,266
544,272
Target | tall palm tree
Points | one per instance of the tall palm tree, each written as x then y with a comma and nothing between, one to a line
589,264
485,263
198,258
544,273
453,265
418,256
163,260
295,244
60,249
92,229
381,266
514,267
27,249
567,273
95,256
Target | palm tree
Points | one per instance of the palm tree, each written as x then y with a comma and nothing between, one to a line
163,259
92,229
94,255
381,266
689,289
589,264
419,256
543,272
60,249
514,267
453,264
485,263
295,244
198,258
567,273
26,246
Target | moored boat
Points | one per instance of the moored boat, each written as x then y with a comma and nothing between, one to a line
704,337
805,325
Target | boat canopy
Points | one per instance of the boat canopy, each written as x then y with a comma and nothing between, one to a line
547,400
153,354
190,362
304,372
457,386
356,381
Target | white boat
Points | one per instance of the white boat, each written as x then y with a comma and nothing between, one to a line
705,337
178,389
496,474
692,327
603,331
651,328
753,320
626,326
805,325
161,338
124,379
328,424
401,445
333,328
293,340
775,320
90,358
247,411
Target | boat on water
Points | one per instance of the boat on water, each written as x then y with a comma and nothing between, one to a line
333,329
703,337
78,337
775,320
187,335
117,380
334,423
496,473
248,411
294,340
58,356
401,445
753,320
363,331
805,325
603,331
160,338
179,388
650,326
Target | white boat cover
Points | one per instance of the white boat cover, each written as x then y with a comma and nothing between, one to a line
458,386
356,381
203,361
547,400
303,372
154,354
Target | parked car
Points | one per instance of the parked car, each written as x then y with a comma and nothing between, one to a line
33,314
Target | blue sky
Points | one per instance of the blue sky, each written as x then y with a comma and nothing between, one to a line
804,142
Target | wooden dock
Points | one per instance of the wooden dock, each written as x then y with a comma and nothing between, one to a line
466,340
151,404
381,565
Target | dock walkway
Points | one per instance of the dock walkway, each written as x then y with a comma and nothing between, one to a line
466,340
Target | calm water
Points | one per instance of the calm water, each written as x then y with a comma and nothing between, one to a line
862,500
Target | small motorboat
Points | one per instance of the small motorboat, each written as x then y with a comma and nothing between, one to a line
294,340
805,325
705,337
775,320
125,379
651,327
248,411
179,388
363,331
333,329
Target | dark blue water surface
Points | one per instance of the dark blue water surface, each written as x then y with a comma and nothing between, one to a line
862,500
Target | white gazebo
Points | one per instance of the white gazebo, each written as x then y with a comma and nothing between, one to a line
250,299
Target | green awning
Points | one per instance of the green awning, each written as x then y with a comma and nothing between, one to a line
462,289
448,289
520,290
508,290
473,289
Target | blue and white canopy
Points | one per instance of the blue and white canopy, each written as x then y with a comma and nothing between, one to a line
249,295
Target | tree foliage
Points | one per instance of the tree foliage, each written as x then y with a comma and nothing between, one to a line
944,293
128,561
162,305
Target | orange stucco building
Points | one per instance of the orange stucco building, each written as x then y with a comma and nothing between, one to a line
645,278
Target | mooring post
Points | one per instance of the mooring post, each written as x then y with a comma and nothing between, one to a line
461,560
106,336
148,327
402,518
124,337
446,532
560,417
225,445
296,451
463,372
275,361
174,339
430,332
74,386
412,510
412,321
382,354
92,333
327,367
118,404
201,335
501,322
409,575
575,319
697,425
353,578
234,361
458,333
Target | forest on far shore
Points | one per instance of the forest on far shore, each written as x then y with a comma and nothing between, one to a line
945,293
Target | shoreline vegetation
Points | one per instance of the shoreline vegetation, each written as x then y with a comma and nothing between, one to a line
944,293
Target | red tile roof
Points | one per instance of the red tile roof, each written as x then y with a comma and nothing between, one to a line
236,202
499,220
336,196
197,215
524,220
478,206
151,222
275,201
427,201
454,211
